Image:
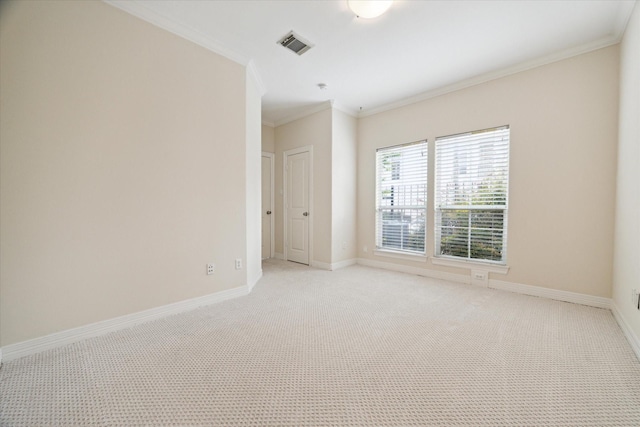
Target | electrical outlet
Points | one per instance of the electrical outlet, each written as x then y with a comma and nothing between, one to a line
238,263
480,278
211,268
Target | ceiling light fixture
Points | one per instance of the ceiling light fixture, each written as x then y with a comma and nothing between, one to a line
369,8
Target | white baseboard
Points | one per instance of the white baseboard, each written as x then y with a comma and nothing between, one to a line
555,294
626,329
57,339
459,278
343,264
36,345
519,288
323,265
332,266
320,265
252,283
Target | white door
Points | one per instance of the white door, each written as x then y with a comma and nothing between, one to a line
298,207
267,205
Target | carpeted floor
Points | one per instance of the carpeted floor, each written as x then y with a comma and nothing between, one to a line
357,346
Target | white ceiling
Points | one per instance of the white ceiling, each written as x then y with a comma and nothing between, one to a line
416,50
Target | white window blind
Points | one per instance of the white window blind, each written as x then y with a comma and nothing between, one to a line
471,195
401,197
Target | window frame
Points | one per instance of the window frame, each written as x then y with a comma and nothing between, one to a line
395,173
486,204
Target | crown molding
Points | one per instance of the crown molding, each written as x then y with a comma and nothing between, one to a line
139,10
316,108
494,75
337,105
304,112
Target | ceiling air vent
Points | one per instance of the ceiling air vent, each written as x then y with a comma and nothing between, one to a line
294,43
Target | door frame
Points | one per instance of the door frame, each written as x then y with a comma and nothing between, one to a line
272,165
307,149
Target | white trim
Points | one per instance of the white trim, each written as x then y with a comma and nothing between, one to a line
250,285
304,112
311,196
252,73
634,342
182,30
272,160
138,9
312,109
293,151
278,255
69,336
435,274
554,294
343,264
400,255
573,297
494,75
471,265
320,265
337,105
333,266
268,123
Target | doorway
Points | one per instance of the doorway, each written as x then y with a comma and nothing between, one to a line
267,205
298,204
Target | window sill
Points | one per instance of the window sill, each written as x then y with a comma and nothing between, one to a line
471,265
400,255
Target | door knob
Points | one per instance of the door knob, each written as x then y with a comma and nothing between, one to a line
305,213
268,212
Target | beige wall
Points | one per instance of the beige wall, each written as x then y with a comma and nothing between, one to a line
268,139
343,194
110,195
563,119
333,136
121,146
313,130
626,273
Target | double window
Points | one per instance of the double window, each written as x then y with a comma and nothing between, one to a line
401,205
471,196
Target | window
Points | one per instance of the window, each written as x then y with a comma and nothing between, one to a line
471,195
401,197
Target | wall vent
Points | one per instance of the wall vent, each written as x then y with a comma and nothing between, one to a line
294,43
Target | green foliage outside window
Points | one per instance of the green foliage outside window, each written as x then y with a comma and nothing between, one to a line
476,233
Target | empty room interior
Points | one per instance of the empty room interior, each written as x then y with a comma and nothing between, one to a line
320,213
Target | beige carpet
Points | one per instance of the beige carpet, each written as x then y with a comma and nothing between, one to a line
357,346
